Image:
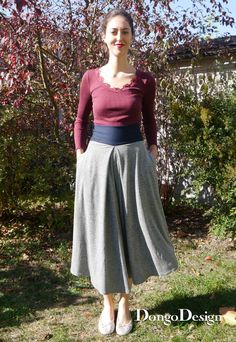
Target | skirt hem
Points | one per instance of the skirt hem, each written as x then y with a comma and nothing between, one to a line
134,283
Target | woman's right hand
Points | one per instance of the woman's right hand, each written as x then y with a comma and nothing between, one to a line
79,151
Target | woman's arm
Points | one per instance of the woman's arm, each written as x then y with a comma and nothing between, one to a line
149,121
84,109
154,151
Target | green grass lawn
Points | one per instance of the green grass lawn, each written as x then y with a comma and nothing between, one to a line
40,300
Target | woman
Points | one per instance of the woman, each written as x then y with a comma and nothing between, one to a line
120,234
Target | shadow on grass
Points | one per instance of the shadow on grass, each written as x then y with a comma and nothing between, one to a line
190,221
204,305
43,235
26,289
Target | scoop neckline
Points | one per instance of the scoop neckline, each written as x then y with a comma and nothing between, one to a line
127,85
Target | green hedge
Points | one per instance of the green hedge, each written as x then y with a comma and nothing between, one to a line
203,133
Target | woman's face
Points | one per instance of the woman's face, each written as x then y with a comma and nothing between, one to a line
118,31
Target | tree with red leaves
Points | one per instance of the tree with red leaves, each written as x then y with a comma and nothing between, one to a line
47,45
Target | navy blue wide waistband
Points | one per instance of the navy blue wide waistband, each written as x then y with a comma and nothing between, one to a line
116,135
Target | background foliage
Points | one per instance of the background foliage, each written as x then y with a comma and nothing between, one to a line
203,134
45,48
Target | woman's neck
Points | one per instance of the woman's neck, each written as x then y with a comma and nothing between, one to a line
115,66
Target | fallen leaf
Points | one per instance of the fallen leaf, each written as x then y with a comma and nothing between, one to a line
180,233
224,309
229,318
25,256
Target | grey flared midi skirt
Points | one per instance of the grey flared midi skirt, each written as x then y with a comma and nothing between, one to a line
119,227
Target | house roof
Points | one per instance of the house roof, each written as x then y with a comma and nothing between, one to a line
210,47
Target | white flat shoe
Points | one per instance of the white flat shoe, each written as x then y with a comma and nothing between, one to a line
123,329
106,327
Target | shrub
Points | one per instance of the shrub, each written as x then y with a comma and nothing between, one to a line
32,165
203,132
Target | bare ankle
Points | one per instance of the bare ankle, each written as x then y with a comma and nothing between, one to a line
108,301
124,297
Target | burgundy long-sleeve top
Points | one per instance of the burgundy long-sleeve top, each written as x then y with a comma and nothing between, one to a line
131,104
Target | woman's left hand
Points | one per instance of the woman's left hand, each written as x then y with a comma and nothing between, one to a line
153,151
